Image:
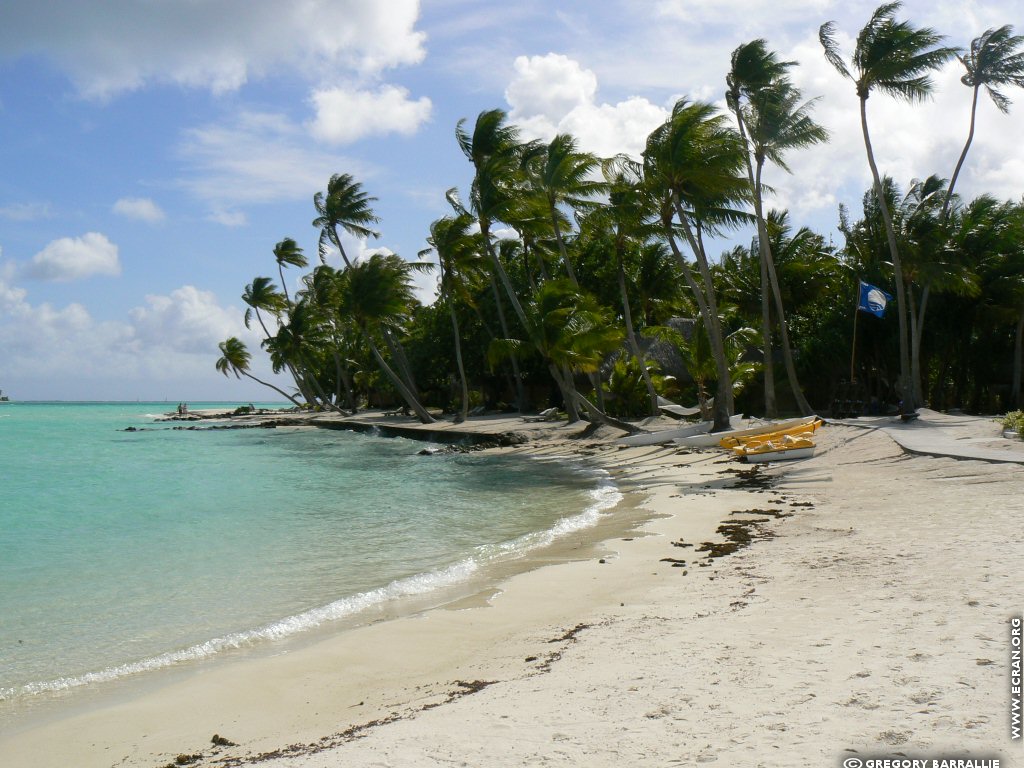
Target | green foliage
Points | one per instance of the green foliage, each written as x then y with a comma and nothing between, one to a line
1014,422
626,391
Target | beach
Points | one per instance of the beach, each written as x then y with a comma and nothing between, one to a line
855,603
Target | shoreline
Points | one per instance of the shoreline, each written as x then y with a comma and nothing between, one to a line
363,691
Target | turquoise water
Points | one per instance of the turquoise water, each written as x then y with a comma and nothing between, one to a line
122,552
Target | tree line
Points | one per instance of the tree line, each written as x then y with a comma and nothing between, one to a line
580,305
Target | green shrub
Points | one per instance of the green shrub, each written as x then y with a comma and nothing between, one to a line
1014,421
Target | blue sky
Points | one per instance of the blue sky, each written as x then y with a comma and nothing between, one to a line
152,153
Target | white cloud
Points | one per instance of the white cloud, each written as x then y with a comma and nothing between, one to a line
257,158
549,86
705,11
141,208
75,258
229,218
125,44
909,141
553,94
186,320
26,211
345,115
168,347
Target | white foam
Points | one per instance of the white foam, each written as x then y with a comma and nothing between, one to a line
413,585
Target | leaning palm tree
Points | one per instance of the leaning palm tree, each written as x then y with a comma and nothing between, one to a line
287,252
771,120
234,358
995,60
376,295
895,58
692,164
345,205
625,216
494,150
573,334
262,294
563,176
460,261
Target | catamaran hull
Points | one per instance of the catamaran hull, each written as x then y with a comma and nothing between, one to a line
781,455
712,439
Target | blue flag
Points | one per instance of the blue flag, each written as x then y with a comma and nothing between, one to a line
872,299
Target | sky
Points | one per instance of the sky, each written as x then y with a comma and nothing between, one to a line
152,152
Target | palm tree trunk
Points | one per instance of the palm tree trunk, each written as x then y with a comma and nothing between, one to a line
401,361
345,378
963,155
516,375
708,307
595,414
631,335
464,408
321,393
566,386
276,389
917,333
770,407
397,382
284,285
561,248
773,281
1018,349
915,364
905,388
595,378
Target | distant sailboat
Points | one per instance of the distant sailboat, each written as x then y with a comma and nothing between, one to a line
3,398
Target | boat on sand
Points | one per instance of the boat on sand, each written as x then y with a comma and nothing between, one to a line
782,448
800,424
663,436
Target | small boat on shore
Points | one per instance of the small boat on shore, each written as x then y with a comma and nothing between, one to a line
710,440
784,448
796,430
663,436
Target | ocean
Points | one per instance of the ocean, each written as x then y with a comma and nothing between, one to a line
123,553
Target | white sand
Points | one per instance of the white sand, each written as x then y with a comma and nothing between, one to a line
875,621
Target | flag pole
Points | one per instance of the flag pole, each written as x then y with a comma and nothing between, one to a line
853,347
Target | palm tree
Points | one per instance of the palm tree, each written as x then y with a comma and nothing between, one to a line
459,258
692,163
626,214
235,359
347,206
702,367
299,344
288,252
993,61
493,149
321,290
262,294
376,295
572,333
771,120
894,58
562,174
